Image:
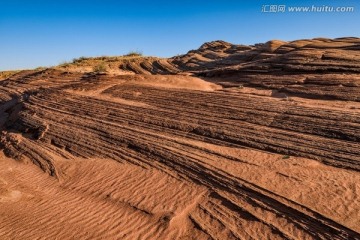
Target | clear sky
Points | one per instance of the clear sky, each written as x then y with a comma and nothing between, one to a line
44,33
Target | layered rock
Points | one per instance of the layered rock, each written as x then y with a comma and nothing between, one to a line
299,99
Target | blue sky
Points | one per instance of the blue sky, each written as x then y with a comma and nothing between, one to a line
44,33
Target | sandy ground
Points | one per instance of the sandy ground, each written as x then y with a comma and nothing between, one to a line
104,199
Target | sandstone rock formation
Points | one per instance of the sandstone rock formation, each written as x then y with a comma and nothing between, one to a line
224,142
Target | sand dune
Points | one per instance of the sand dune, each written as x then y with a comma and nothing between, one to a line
225,142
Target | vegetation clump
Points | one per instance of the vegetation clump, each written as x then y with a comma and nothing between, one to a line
134,54
100,68
7,74
80,59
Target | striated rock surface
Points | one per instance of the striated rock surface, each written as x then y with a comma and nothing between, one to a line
224,142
